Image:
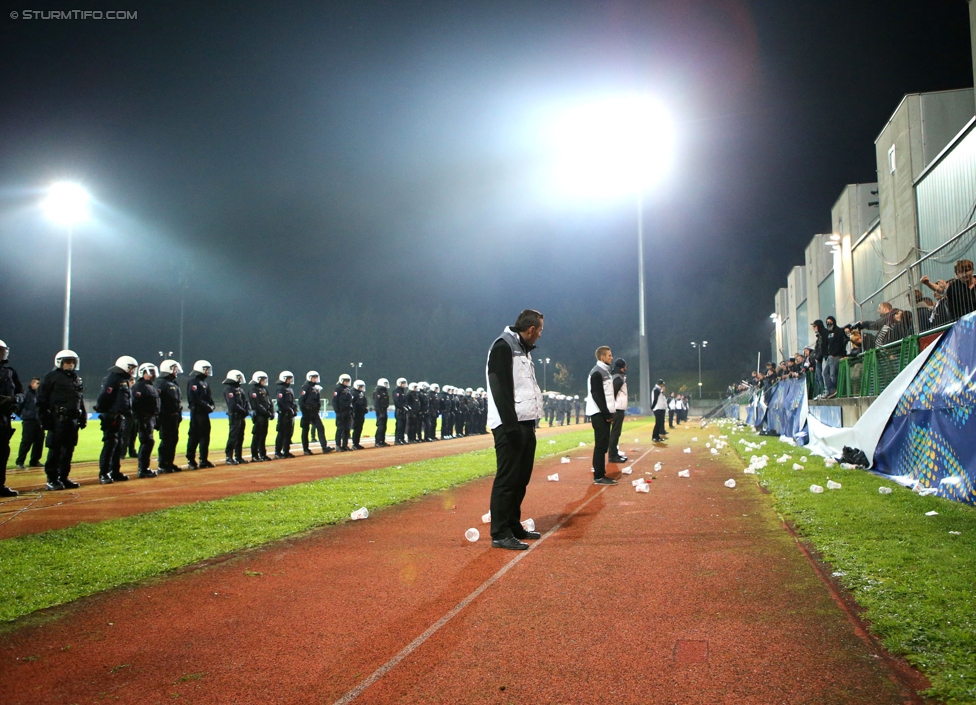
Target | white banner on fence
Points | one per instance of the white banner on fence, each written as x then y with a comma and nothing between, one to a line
829,442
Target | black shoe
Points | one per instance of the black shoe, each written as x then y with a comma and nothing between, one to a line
604,481
231,461
265,458
290,455
177,468
341,449
241,461
36,465
143,474
328,449
657,440
133,454
68,484
528,535
21,466
7,492
279,456
163,470
102,479
617,459
358,447
118,476
511,543
192,465
206,464
307,452
56,485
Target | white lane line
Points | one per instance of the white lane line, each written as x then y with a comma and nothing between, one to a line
416,643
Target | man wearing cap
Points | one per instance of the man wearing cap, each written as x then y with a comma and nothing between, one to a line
659,405
619,378
514,405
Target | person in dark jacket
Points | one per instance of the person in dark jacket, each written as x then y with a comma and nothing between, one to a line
836,348
444,403
238,410
114,407
360,406
618,376
600,406
287,411
381,405
61,410
201,404
413,412
310,404
170,415
262,411
423,412
433,409
342,406
31,435
819,355
145,411
10,389
400,411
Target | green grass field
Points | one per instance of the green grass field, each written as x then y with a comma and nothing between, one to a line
90,438
914,574
55,567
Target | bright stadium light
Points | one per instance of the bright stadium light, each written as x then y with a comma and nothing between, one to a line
67,205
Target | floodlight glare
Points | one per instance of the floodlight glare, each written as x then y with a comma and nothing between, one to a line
614,147
66,203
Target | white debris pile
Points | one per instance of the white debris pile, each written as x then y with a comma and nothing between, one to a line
783,458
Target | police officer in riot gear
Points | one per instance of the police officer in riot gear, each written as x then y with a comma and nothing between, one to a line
381,405
413,412
360,405
238,409
145,411
287,411
262,411
114,407
310,403
201,405
342,406
61,410
170,415
10,388
400,409
433,410
423,412
447,411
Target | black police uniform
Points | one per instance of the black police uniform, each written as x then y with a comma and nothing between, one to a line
360,405
31,435
145,409
433,410
447,416
342,406
114,406
61,409
413,408
169,420
423,415
237,411
310,402
287,411
262,411
201,404
381,405
10,387
400,411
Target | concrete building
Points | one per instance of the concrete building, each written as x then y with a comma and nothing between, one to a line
852,216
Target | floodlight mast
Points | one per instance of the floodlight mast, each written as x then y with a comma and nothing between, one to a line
67,204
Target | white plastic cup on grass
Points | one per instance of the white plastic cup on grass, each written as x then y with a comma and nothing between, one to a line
730,484
816,489
472,535
552,443
361,513
884,490
831,485
797,466
582,444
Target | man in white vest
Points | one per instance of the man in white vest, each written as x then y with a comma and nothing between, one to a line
659,405
600,407
514,406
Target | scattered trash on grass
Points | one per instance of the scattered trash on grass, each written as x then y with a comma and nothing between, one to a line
582,444
933,513
361,513
831,485
564,460
956,533
797,466
816,489
750,470
730,484
884,490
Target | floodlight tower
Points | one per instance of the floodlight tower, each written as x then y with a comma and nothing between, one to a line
67,204
700,345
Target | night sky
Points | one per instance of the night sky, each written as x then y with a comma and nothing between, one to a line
328,183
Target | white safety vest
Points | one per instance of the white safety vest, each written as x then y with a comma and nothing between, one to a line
591,407
528,396
621,400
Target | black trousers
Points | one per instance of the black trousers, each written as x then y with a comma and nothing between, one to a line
412,425
114,444
147,441
601,438
6,433
286,427
31,441
312,420
615,429
401,425
131,434
659,425
513,470
259,437
235,436
61,441
357,427
380,428
343,429
447,424
169,436
199,436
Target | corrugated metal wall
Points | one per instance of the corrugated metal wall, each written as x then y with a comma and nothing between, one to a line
946,195
868,269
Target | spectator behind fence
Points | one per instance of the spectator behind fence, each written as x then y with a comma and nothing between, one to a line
836,349
961,294
819,354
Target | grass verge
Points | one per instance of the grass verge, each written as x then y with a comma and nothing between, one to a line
911,572
55,567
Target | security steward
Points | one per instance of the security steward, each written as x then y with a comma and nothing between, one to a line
201,404
514,405
381,405
342,406
360,406
170,415
114,407
61,410
287,411
310,403
145,410
262,411
10,388
237,413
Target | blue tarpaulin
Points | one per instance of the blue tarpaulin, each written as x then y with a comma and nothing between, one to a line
786,410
